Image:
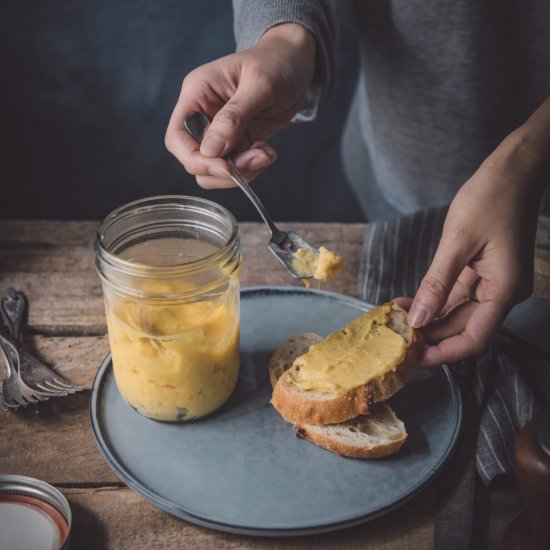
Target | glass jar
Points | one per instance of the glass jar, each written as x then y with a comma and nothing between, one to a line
170,274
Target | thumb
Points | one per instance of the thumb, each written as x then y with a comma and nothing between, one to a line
230,123
437,284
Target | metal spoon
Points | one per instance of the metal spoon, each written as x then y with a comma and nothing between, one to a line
282,244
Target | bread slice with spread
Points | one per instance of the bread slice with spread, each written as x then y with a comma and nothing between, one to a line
375,435
343,375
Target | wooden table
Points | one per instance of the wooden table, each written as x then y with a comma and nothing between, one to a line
53,263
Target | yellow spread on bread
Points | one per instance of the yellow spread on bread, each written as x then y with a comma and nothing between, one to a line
175,361
321,266
363,350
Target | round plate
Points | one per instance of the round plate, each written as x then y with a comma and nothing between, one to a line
242,470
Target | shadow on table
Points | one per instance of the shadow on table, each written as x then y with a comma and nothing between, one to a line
56,409
88,531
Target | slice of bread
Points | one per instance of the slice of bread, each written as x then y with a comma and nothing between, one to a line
375,435
287,352
314,407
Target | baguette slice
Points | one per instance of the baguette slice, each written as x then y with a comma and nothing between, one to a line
287,352
376,435
313,407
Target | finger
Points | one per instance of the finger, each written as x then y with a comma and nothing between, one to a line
250,163
255,159
207,182
450,259
404,301
450,325
229,124
463,290
480,327
185,148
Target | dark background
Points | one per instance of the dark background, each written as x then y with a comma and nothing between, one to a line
87,89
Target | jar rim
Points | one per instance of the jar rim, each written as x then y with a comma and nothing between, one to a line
229,248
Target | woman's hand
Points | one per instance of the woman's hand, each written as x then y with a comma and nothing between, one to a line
248,96
484,262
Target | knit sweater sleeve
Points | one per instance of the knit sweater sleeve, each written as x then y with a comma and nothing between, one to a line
252,18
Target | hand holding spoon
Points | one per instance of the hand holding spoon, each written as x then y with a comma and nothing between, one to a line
283,244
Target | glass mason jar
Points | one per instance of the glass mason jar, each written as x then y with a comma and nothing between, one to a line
169,267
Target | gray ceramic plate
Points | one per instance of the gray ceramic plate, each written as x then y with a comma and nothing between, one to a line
242,470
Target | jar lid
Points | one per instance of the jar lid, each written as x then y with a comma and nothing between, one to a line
33,515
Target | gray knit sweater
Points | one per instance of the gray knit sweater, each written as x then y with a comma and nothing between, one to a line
441,84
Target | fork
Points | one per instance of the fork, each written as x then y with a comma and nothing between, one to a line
37,375
13,391
40,381
43,379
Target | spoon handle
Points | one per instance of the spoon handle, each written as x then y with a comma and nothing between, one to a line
196,123
276,234
13,306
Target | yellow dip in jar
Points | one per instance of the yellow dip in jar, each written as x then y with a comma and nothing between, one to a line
172,304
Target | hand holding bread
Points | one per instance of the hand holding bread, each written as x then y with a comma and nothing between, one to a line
348,421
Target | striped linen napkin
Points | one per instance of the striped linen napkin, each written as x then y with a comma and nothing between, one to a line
502,388
510,382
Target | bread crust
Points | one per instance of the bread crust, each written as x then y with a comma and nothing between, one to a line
325,441
342,448
284,355
300,407
307,407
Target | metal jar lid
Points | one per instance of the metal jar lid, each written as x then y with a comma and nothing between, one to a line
33,515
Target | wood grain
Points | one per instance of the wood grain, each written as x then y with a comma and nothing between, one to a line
77,358
53,263
53,443
139,525
408,527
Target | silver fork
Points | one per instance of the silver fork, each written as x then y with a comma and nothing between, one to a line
13,391
13,307
43,379
36,380
36,374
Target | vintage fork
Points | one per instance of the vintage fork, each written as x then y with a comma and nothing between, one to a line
41,378
40,382
37,376
13,391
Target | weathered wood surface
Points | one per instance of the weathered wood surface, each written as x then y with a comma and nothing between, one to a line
408,527
139,525
53,263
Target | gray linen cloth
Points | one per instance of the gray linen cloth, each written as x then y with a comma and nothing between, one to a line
440,84
509,381
502,387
